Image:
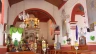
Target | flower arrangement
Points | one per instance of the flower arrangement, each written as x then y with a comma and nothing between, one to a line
68,39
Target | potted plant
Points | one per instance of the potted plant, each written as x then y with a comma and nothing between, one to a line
68,41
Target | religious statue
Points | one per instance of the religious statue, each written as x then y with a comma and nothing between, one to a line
82,39
82,33
9,39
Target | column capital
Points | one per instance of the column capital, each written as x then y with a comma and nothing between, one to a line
73,26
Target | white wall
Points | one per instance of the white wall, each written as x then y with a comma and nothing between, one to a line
27,4
5,20
68,9
1,34
50,35
15,9
43,30
6,5
91,5
88,35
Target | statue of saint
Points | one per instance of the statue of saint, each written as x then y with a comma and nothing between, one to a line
81,32
82,39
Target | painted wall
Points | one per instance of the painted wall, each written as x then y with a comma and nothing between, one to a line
6,6
68,7
1,34
15,9
5,20
50,32
91,37
43,30
91,5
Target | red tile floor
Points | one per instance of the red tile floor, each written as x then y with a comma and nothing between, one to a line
3,49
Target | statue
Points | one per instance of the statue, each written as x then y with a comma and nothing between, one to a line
16,42
9,39
82,33
82,39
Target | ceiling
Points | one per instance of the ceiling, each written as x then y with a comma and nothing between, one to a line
57,3
43,17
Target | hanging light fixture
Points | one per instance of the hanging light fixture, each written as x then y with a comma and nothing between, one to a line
23,15
28,21
32,22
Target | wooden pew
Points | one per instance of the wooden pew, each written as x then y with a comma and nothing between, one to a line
23,52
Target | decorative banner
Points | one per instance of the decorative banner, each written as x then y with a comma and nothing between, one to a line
14,30
92,4
76,32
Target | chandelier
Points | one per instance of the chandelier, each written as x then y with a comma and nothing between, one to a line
28,21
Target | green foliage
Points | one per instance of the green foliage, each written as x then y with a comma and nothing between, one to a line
92,38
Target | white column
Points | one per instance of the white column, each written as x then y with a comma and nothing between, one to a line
6,5
72,34
1,34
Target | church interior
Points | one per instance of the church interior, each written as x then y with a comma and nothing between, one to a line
47,27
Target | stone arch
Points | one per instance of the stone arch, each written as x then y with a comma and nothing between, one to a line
78,9
16,19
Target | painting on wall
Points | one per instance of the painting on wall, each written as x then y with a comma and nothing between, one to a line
64,29
92,27
91,6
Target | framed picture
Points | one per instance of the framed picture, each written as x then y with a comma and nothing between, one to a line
92,27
